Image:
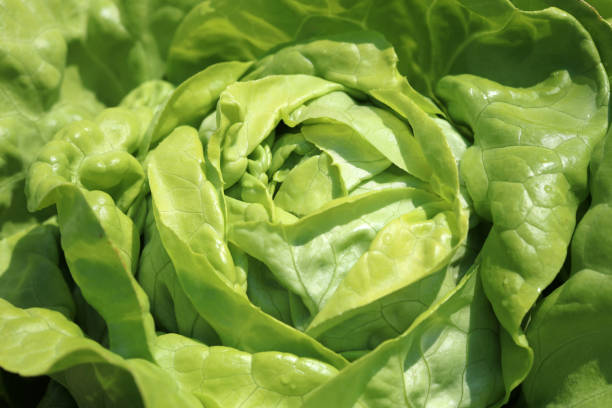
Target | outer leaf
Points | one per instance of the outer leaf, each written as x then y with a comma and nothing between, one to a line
56,396
594,15
35,100
527,173
450,35
101,248
591,242
75,102
99,241
225,377
94,155
448,357
248,33
29,275
121,44
37,342
569,333
543,178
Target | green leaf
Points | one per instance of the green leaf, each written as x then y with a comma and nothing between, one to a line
449,356
149,97
36,342
570,333
36,100
406,250
101,248
172,309
590,241
191,203
94,155
590,16
56,396
379,137
361,60
569,330
310,185
526,173
226,377
29,272
120,44
75,102
265,292
210,31
195,98
313,256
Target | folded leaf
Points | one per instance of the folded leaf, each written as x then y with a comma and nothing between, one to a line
101,248
195,98
249,111
313,256
171,307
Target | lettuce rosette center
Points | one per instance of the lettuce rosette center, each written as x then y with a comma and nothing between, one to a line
302,181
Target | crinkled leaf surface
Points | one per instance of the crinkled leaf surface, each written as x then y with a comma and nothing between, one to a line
526,173
569,330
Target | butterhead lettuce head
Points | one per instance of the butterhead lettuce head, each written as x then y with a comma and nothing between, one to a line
305,204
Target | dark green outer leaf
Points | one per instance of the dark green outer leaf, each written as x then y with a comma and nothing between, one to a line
29,272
